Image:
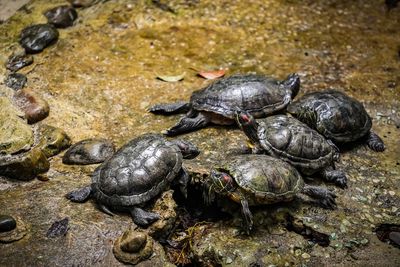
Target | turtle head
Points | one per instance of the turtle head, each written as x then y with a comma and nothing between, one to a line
188,150
248,124
222,182
292,82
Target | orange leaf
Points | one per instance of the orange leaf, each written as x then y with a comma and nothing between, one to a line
210,75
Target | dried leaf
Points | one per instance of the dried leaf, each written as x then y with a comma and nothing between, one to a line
171,79
210,75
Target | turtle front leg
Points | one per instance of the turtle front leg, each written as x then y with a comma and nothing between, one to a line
247,216
374,142
143,218
187,124
337,177
323,196
169,109
81,195
182,181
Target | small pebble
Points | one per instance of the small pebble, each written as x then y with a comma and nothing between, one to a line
58,228
7,223
133,241
16,81
34,107
81,3
305,256
37,37
61,16
89,151
395,237
18,61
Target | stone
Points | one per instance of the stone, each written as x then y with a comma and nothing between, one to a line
16,81
17,61
15,234
82,3
34,107
53,140
37,37
24,166
133,246
7,223
166,207
15,134
61,16
58,228
395,237
133,241
89,151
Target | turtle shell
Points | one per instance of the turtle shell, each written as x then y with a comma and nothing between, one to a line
259,95
293,141
137,172
264,179
332,113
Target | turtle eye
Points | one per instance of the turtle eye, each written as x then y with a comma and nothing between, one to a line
244,117
226,178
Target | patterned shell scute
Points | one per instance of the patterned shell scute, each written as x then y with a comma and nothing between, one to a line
247,92
262,174
137,172
286,135
338,116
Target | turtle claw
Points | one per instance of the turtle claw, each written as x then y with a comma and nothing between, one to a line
329,201
337,177
323,196
143,218
375,143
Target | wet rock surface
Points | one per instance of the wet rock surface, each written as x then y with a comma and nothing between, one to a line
61,16
18,61
34,106
89,151
338,44
35,38
16,81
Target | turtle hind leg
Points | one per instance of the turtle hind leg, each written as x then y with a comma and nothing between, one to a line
324,197
142,217
187,124
337,177
173,108
374,142
80,195
182,181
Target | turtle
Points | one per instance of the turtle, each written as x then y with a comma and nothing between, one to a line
137,173
256,179
338,117
216,103
287,138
